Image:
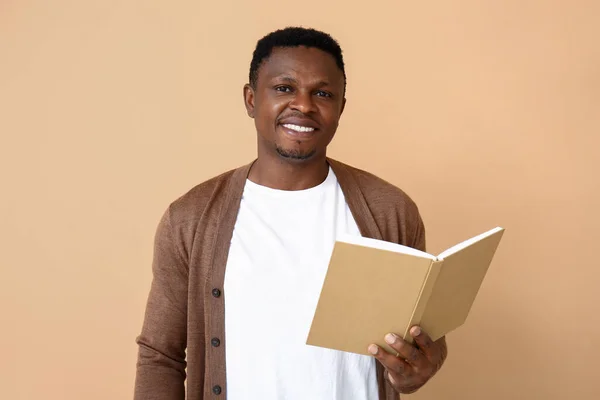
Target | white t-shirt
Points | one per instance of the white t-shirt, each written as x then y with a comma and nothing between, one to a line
277,262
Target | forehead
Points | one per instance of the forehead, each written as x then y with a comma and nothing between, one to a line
302,63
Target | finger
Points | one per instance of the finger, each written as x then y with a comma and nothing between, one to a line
391,362
407,351
428,347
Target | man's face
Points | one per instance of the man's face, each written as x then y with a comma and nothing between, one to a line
297,102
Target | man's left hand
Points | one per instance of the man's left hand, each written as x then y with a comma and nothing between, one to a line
413,365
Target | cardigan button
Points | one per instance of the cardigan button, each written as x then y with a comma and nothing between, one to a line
216,292
215,342
217,389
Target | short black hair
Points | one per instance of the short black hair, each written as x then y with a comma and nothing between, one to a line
294,37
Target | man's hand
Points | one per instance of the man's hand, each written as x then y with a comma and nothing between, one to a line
413,365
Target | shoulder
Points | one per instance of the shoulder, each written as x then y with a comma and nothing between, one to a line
377,191
197,211
202,197
395,212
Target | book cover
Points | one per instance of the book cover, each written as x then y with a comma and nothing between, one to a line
373,287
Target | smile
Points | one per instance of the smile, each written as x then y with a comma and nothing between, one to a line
298,128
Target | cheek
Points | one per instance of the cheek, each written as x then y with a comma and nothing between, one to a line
330,116
270,109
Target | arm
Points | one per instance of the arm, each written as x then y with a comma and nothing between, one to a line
160,372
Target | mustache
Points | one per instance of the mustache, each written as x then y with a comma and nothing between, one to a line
295,115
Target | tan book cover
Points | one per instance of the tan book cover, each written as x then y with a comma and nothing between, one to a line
373,287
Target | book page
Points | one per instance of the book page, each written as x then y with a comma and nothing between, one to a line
458,283
383,245
467,243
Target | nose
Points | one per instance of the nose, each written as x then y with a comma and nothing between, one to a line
303,102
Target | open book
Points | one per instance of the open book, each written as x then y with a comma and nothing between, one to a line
373,287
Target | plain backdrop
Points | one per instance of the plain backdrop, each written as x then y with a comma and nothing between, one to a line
486,112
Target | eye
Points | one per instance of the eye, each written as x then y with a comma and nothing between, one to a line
321,93
283,89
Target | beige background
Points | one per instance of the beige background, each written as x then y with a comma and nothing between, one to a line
486,112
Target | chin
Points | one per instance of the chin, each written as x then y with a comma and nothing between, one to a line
296,154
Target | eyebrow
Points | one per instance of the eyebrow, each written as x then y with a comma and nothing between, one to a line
287,78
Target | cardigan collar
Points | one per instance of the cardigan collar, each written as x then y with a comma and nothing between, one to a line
346,179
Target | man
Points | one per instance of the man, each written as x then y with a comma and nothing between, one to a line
239,260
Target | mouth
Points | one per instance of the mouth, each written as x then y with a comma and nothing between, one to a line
298,131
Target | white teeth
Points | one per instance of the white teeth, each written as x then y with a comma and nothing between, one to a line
299,128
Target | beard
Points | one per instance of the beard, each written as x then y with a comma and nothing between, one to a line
295,154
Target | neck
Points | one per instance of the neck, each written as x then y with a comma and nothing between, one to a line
282,174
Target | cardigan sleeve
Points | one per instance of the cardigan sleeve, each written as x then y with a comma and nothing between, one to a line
419,238
161,363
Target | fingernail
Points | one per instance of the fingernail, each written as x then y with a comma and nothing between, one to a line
373,349
416,331
390,338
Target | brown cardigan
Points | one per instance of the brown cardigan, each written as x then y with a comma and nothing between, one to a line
185,308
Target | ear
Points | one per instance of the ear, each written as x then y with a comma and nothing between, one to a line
343,106
249,100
